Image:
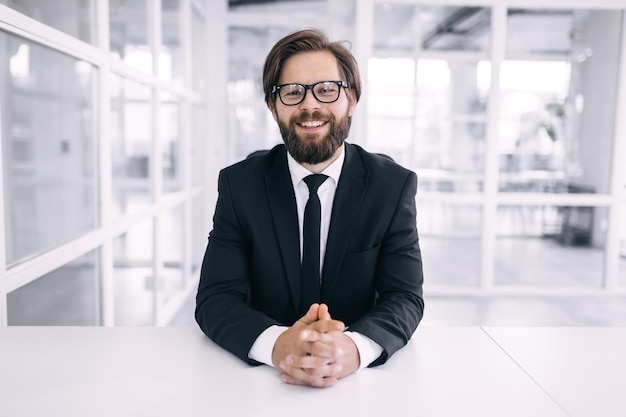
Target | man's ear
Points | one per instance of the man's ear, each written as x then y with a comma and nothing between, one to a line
272,106
352,103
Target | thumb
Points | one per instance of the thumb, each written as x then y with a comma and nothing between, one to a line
323,313
311,315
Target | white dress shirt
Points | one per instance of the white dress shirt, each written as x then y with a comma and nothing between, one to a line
263,346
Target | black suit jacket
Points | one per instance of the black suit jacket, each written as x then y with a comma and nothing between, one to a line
372,274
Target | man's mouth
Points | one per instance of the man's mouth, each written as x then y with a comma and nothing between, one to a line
312,123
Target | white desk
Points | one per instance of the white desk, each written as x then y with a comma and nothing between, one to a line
444,371
583,369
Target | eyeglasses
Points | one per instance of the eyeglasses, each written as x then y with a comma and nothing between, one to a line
323,91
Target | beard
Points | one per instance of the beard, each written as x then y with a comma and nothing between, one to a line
308,148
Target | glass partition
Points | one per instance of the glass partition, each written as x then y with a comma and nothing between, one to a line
48,147
391,106
133,271
128,30
429,85
172,249
455,28
250,123
555,25
200,142
170,137
131,144
430,70
171,62
405,27
199,68
74,17
67,296
199,233
82,149
436,109
393,26
556,246
557,113
450,240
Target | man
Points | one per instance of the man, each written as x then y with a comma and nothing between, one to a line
276,290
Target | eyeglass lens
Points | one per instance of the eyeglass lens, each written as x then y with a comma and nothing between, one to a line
325,92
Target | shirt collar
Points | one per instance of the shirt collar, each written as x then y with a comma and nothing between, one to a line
298,172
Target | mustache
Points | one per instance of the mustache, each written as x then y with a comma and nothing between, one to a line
306,117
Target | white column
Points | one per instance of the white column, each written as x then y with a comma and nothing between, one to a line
217,99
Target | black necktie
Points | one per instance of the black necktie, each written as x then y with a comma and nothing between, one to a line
310,292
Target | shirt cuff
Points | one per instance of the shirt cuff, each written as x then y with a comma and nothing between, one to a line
369,350
263,346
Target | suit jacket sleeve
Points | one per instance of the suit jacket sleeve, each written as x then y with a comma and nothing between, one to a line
222,311
399,305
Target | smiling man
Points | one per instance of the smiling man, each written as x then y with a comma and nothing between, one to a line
313,265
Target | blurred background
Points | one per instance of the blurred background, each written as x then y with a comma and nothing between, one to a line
116,116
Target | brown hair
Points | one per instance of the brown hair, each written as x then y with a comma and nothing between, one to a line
307,40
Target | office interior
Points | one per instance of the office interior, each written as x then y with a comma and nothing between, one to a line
116,117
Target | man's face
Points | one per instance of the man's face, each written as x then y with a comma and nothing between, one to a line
311,130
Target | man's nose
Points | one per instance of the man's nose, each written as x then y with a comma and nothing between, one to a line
310,102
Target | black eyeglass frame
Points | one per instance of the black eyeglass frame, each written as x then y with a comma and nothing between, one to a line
276,89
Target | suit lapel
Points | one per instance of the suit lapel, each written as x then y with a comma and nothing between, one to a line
285,217
348,198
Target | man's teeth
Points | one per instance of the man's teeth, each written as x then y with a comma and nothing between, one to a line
315,123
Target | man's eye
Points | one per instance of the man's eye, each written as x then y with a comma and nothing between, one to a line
326,90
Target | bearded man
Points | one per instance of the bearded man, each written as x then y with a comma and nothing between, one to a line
313,265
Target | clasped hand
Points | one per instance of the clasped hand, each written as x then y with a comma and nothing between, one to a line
315,351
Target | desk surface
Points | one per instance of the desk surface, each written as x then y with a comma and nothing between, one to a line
444,371
583,369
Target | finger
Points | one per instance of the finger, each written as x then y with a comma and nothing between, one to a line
313,343
311,315
323,313
322,345
311,336
317,383
298,376
307,362
329,351
313,365
326,326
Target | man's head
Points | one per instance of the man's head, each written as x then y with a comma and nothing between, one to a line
311,86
